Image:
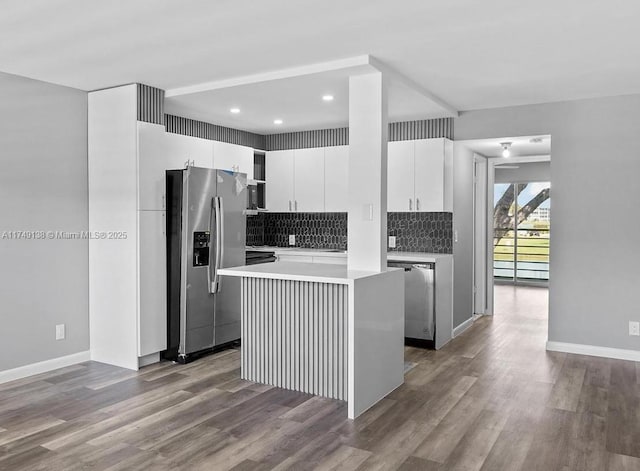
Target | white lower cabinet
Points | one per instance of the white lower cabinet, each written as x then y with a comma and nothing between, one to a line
295,258
330,260
152,276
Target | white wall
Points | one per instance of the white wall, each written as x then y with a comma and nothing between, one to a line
526,172
43,186
595,164
463,228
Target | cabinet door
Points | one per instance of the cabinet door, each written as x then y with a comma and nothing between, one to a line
153,160
152,275
336,179
231,156
187,148
400,182
429,175
309,180
279,174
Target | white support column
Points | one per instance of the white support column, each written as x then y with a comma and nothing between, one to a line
368,133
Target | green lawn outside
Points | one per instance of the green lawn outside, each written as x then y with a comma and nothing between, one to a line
530,248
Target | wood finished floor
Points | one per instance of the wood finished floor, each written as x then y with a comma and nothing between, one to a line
493,399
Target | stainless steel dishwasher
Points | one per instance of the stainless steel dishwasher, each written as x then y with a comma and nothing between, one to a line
419,302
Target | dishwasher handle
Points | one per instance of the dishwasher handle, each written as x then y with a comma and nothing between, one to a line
408,266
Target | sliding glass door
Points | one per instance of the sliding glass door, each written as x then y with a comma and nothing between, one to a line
521,230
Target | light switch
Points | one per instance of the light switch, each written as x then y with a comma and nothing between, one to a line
60,334
392,242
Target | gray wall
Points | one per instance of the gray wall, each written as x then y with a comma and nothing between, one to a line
463,224
526,172
43,186
595,257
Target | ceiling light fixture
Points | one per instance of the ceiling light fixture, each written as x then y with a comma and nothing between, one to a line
277,121
327,97
235,110
506,149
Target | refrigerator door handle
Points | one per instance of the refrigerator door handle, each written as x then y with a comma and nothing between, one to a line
212,230
219,212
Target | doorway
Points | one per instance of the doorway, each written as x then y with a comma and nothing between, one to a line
521,232
528,165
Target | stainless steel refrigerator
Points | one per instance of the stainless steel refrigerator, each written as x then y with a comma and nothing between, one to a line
206,231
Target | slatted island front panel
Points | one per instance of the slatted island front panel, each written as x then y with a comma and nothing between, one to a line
294,335
323,329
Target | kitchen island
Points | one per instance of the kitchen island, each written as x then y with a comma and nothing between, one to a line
323,329
443,276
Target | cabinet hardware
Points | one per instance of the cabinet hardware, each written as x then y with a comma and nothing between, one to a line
410,205
417,204
289,205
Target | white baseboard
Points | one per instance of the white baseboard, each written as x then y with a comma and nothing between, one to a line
43,366
148,359
462,327
591,350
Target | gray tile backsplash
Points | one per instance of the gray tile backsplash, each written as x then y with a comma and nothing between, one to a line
421,232
312,230
414,232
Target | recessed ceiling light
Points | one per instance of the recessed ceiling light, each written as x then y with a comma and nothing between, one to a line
235,110
277,121
327,97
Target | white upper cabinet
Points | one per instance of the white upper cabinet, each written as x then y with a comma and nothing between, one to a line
159,151
420,176
279,173
295,180
308,170
336,179
429,175
188,148
400,176
233,157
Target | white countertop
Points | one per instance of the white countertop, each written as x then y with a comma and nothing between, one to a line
299,271
396,256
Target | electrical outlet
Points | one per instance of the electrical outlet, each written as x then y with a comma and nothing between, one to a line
634,328
292,239
392,242
60,332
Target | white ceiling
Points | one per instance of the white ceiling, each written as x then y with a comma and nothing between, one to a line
297,101
472,54
521,146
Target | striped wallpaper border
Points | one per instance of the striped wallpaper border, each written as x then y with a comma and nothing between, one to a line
400,131
150,104
421,129
214,132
